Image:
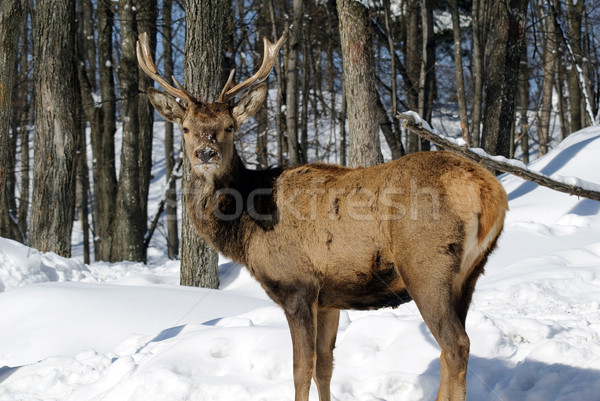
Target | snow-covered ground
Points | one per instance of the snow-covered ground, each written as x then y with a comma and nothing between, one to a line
127,331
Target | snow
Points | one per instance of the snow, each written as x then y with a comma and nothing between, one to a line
127,331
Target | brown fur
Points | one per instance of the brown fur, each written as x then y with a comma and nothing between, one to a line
320,238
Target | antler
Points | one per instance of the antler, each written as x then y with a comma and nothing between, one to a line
145,60
269,57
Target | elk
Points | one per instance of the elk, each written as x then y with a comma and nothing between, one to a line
320,238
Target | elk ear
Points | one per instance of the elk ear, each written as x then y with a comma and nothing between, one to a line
249,103
166,105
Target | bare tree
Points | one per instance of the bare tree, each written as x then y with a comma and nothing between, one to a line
292,73
503,77
359,83
10,19
460,81
549,59
172,225
575,9
103,138
129,224
145,16
204,62
55,132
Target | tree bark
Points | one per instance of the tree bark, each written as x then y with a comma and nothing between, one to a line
481,17
397,134
130,224
359,83
574,17
549,59
55,131
204,62
295,153
146,14
412,57
172,223
10,20
103,139
523,104
460,81
501,93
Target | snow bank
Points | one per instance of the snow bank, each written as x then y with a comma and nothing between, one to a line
21,265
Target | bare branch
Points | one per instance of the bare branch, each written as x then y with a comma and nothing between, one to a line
414,123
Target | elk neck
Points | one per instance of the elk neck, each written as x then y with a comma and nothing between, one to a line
228,210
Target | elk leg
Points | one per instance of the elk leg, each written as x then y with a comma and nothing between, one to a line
434,301
327,327
302,319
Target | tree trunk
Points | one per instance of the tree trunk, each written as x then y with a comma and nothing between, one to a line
412,57
172,224
10,20
524,104
481,17
397,134
204,62
359,83
25,119
549,60
503,78
55,131
460,82
427,75
574,17
103,139
295,153
279,100
146,14
130,224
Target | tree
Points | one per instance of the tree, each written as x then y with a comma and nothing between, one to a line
503,78
460,82
359,83
10,19
146,14
549,59
130,223
55,140
172,230
103,138
292,67
575,11
206,23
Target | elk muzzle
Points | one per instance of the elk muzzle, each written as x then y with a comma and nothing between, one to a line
205,155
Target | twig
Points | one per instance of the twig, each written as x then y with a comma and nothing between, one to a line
413,123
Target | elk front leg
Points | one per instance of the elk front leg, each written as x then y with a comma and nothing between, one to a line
327,327
302,319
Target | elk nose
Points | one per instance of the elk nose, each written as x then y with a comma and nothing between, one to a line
204,155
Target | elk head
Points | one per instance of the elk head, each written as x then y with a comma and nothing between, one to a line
208,128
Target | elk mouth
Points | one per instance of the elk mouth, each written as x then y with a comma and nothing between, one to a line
204,167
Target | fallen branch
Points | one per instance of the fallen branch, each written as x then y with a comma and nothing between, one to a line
413,122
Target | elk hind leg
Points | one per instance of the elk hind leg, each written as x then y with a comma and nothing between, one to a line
435,302
327,327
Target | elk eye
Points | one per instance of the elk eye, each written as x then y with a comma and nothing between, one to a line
229,129
185,130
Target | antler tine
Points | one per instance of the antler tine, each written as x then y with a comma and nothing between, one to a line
147,64
270,55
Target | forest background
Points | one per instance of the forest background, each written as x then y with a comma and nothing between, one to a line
515,76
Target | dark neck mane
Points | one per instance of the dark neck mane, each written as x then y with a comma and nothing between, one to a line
228,211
